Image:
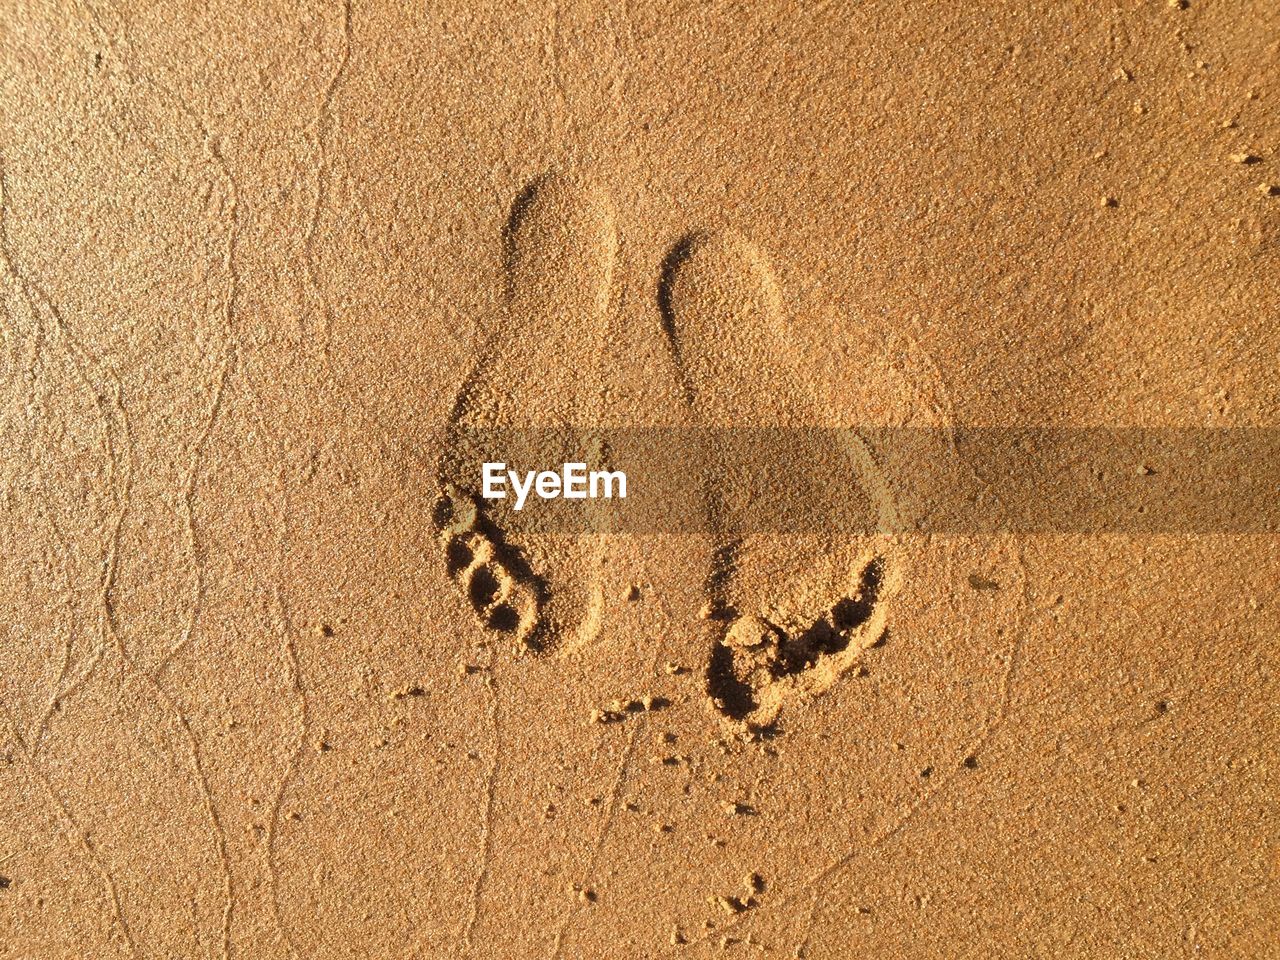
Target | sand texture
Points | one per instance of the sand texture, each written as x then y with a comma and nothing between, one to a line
277,681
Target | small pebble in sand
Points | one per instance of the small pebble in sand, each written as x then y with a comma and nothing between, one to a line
1269,189
632,593
1109,201
1245,158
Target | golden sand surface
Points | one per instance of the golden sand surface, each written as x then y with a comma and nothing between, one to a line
275,683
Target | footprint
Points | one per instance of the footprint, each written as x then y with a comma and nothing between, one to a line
791,613
503,590
539,375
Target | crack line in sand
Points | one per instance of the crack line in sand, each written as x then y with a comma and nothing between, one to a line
33,363
811,918
68,643
119,41
169,704
611,810
619,784
288,636
33,292
34,373
320,130
227,368
620,75
78,832
194,547
486,830
557,72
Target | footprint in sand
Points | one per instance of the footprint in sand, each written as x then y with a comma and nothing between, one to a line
791,614
540,370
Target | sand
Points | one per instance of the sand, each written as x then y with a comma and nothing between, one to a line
277,682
